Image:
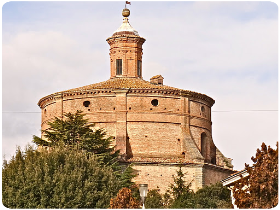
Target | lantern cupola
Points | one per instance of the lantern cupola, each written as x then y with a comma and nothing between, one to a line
126,50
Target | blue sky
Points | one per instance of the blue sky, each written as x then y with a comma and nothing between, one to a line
226,50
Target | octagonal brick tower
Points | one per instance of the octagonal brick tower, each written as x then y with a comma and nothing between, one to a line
156,127
126,50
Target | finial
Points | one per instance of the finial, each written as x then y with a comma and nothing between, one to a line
125,12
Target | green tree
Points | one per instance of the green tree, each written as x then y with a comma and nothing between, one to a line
124,200
260,188
179,188
180,195
154,200
126,176
74,130
215,196
62,178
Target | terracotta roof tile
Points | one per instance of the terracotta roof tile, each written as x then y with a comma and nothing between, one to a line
156,77
128,83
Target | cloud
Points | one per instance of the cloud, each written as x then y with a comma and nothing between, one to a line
41,60
35,64
227,50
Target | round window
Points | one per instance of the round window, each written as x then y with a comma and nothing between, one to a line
154,102
86,103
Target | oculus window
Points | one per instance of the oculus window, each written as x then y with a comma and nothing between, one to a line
154,102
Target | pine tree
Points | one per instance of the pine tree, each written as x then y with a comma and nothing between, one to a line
179,188
73,130
180,194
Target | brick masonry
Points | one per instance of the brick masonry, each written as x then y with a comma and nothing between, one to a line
156,127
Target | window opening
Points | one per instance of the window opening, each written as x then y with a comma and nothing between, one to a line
119,66
202,109
204,145
154,102
86,103
139,67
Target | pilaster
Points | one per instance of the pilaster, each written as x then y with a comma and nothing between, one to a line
121,121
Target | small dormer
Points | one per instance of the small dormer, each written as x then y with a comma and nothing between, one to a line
157,80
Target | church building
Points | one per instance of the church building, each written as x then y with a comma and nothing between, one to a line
156,127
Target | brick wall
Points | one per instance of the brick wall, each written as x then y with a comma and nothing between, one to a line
172,128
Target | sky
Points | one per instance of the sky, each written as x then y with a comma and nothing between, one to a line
226,50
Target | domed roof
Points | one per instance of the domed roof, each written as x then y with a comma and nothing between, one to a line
126,28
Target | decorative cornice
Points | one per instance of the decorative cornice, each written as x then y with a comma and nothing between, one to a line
132,85
131,90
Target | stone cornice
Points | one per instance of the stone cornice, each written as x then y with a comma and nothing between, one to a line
125,38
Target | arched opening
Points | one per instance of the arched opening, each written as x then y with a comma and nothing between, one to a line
208,149
204,145
213,153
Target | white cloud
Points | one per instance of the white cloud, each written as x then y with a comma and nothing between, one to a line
45,60
35,64
223,49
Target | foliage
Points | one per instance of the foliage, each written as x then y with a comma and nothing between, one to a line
186,200
126,176
62,178
181,196
74,130
215,196
154,200
124,200
260,188
179,188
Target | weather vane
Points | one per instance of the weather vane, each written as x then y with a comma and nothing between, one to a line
127,2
